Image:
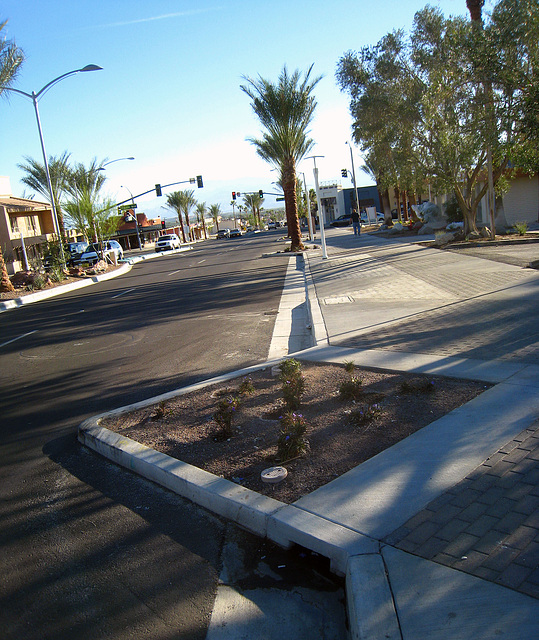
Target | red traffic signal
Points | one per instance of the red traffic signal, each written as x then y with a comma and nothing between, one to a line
233,195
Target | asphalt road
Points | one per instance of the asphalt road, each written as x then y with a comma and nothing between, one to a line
90,550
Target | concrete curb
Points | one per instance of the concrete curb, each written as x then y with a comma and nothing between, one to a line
57,291
8,305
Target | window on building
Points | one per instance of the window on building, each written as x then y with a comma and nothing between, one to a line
14,225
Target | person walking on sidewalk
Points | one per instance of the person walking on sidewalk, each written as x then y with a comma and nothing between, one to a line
355,222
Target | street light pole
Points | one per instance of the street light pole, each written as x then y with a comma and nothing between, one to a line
320,211
34,97
134,217
102,167
354,177
308,203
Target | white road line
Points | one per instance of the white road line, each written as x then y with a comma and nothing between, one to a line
18,338
123,293
201,261
174,272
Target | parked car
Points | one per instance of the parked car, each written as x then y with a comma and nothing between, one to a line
272,225
167,242
100,251
76,249
379,218
342,221
235,233
223,233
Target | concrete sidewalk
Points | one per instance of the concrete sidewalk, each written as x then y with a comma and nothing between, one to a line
466,484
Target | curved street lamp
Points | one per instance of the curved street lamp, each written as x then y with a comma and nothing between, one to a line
102,167
34,97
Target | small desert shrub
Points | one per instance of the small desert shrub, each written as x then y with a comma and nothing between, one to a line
39,281
351,389
293,383
292,441
56,274
160,411
521,228
363,416
246,386
224,416
349,366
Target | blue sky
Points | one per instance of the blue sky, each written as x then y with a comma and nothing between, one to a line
169,91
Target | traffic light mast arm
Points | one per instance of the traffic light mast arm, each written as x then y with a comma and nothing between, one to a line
139,195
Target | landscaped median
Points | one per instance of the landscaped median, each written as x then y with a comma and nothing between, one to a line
345,520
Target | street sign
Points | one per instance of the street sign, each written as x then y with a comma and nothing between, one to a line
126,207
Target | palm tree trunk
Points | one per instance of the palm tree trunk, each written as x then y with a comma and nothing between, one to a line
291,208
5,282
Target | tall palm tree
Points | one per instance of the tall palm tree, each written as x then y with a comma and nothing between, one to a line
253,201
215,212
11,58
174,202
201,212
285,110
475,7
187,203
36,179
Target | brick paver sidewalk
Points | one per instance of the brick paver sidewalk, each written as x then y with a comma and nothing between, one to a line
487,524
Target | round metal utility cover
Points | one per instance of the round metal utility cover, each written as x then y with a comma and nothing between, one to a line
273,475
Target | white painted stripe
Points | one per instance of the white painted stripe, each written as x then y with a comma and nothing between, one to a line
18,338
123,293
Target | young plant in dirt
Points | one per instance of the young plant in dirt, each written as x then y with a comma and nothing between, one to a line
364,415
293,383
351,389
292,442
246,386
224,416
160,411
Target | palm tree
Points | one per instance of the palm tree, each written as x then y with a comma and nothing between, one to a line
84,206
201,212
475,8
182,202
36,179
285,110
215,212
253,201
11,58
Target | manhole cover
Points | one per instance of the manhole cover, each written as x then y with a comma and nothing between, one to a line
338,300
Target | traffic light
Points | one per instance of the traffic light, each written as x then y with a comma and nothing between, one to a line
233,195
261,193
344,173
158,190
199,182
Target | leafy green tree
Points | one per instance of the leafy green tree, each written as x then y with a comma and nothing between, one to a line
36,178
421,105
285,110
215,212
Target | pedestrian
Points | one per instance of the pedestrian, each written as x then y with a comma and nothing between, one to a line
355,222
